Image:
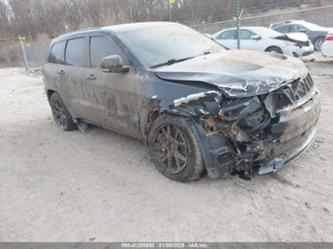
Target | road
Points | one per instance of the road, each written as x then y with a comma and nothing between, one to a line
101,186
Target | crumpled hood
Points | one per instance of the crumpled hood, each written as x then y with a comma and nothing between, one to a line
237,73
298,37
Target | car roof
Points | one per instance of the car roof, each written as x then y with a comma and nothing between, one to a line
259,30
113,29
74,33
135,26
288,22
308,25
254,28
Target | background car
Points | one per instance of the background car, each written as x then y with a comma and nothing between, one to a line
327,48
315,32
268,40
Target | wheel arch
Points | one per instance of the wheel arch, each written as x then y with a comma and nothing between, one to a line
149,116
186,124
317,38
273,47
49,92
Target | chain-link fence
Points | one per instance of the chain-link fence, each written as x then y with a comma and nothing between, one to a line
320,15
33,54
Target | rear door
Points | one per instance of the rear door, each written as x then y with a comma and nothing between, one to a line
76,62
53,70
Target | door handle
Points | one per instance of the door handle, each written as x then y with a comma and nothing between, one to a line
61,71
91,77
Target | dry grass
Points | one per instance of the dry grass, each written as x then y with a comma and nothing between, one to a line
9,54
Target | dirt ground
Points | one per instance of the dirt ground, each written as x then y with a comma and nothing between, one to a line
101,186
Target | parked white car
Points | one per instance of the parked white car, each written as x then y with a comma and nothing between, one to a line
268,40
315,32
327,47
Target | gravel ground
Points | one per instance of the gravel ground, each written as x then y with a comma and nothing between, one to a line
101,186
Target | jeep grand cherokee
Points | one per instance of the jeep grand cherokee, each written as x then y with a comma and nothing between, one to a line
199,108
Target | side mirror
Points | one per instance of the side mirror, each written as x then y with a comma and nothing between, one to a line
255,37
114,64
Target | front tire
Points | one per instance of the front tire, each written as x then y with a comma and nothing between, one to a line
174,149
61,115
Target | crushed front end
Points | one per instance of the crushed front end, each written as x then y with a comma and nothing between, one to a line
260,133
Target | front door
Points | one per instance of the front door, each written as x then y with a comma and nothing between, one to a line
122,91
228,39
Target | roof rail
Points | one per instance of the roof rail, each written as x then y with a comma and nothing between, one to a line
88,28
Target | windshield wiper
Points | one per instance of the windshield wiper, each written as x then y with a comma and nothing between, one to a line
172,61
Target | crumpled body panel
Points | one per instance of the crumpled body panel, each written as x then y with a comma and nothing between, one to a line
237,74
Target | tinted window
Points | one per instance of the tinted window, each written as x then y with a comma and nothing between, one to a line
297,28
227,35
100,47
57,53
246,34
282,29
75,52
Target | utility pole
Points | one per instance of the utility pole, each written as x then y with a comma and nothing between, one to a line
24,55
238,23
171,2
130,5
239,14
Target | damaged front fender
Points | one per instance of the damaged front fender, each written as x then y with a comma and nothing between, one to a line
259,133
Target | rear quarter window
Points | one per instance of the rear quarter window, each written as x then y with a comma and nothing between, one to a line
75,52
57,53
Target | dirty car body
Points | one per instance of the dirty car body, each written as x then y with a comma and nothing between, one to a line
249,111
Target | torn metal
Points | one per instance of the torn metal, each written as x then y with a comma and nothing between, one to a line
251,126
192,97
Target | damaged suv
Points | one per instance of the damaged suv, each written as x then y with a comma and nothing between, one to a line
199,108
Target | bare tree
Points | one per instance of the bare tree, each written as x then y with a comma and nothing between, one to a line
53,17
74,17
3,15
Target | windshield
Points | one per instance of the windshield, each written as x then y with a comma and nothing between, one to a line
158,45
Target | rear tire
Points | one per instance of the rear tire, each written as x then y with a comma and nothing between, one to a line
174,149
274,50
61,115
319,43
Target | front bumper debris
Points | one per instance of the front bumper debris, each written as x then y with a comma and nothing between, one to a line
290,131
277,163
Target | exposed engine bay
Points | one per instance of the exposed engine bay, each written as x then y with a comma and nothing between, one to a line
259,133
